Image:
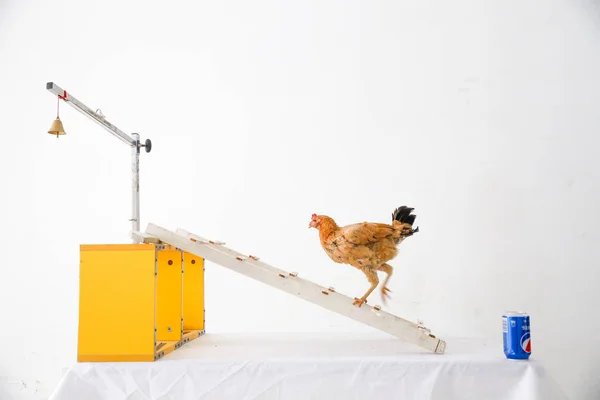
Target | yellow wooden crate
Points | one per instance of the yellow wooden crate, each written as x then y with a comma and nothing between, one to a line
138,302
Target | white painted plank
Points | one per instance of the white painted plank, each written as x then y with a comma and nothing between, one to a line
299,287
143,237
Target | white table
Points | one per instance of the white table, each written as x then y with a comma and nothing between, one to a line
314,366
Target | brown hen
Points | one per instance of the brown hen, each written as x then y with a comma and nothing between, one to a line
367,246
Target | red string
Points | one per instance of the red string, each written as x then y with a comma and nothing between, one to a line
64,97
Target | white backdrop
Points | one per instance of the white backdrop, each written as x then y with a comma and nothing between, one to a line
483,115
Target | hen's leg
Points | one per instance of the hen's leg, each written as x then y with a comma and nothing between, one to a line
373,280
384,289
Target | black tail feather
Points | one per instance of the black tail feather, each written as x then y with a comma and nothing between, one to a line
403,214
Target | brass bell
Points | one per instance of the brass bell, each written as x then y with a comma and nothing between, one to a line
57,128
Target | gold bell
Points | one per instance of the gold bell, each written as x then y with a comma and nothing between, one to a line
57,128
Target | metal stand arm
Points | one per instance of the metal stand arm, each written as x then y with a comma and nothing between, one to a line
133,141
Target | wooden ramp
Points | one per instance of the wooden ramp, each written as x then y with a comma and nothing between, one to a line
291,283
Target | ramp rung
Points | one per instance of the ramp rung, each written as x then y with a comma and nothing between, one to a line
206,241
237,255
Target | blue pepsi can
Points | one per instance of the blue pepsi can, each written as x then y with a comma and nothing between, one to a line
516,332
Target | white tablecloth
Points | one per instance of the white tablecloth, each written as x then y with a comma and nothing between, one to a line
308,366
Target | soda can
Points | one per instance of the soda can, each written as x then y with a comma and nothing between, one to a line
516,332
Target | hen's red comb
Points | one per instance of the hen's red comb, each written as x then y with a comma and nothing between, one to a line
314,215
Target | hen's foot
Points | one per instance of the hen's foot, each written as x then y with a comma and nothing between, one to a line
359,302
384,294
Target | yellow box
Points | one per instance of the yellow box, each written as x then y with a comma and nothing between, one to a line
138,302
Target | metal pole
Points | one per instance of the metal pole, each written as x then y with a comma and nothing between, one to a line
135,186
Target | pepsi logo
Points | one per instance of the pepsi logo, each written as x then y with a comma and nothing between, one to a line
526,342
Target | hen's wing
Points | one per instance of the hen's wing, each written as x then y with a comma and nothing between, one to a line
366,232
362,244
